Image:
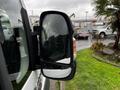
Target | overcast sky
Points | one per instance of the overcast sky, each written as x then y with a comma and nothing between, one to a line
79,7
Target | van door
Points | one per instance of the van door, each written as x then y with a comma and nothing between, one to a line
15,48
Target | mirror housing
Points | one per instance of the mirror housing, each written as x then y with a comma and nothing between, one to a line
56,46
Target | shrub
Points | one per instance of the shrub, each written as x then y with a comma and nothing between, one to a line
110,45
97,46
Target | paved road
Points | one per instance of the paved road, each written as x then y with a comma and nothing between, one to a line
52,84
82,44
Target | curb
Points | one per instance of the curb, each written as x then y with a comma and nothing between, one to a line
105,61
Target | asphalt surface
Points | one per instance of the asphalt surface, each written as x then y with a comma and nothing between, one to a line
82,44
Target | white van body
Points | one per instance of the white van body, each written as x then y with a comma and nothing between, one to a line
34,80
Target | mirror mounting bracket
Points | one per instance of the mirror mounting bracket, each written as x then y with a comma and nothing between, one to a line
1,37
1,34
36,31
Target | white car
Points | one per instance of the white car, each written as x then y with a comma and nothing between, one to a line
103,31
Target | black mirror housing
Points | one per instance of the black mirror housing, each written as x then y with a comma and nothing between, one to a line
56,46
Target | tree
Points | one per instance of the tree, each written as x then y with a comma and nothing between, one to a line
112,13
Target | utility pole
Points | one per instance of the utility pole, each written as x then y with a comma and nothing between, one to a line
86,17
32,12
72,15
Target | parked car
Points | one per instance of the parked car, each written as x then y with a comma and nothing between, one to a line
83,34
102,31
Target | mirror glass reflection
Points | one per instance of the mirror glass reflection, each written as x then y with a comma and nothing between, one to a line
55,38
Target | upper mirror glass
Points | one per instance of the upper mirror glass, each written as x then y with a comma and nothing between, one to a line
55,38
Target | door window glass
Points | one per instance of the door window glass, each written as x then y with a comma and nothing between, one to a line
15,44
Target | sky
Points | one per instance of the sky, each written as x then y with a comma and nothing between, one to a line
79,7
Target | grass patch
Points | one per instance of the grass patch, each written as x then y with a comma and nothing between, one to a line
105,60
93,75
112,59
57,84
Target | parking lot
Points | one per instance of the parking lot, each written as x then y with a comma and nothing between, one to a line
82,44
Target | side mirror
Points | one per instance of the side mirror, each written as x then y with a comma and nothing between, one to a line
56,46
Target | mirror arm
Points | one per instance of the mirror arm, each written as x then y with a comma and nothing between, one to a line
36,55
2,38
36,31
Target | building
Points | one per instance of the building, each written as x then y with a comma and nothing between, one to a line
82,24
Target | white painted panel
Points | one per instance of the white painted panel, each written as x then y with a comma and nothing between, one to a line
31,83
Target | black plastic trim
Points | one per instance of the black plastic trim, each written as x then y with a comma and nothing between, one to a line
31,41
70,28
5,83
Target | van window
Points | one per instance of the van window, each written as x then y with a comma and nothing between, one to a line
14,47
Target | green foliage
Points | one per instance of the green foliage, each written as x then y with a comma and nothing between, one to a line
116,3
93,75
97,46
57,84
100,7
113,14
